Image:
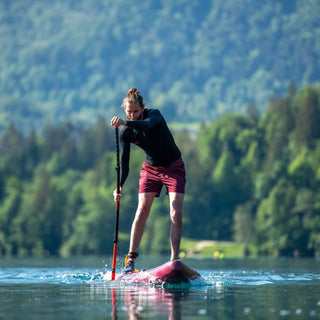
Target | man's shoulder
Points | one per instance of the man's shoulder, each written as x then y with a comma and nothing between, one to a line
152,112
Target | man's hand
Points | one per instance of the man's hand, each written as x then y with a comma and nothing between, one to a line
117,196
117,121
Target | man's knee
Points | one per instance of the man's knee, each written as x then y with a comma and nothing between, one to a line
142,213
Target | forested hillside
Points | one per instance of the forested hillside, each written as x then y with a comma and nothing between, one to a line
74,60
252,179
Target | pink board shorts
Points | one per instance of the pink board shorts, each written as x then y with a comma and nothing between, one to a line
153,178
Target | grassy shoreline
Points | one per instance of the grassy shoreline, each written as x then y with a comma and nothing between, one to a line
215,249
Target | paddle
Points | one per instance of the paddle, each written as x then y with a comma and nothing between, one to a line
115,241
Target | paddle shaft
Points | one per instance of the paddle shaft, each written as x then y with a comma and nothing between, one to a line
115,241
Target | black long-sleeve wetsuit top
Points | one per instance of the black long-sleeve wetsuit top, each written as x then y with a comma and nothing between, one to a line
153,136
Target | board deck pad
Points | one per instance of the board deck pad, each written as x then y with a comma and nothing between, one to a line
171,272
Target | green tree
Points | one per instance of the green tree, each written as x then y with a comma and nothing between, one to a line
26,226
278,122
307,119
276,222
49,205
12,152
9,210
243,224
92,230
301,171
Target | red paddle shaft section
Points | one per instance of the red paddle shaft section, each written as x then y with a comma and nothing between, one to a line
170,272
114,261
115,247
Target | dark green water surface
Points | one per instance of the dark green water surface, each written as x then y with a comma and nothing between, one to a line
80,288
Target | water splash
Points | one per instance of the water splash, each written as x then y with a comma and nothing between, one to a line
51,275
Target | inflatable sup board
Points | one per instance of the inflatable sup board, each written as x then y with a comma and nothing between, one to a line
171,272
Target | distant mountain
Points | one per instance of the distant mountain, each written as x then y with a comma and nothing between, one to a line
75,59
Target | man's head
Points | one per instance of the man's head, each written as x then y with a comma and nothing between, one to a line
133,105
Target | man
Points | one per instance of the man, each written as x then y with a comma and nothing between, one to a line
163,166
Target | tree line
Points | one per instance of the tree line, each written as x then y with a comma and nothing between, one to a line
250,178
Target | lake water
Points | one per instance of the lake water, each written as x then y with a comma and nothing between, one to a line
230,289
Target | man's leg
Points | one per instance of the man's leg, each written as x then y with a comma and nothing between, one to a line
176,202
142,213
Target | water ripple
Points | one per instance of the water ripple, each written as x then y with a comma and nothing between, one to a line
256,278
102,276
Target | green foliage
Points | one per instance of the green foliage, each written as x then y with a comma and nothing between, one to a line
307,130
300,170
249,179
243,223
196,60
272,219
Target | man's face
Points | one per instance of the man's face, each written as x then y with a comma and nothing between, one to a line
133,111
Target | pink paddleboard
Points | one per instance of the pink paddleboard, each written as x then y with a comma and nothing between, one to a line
171,272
